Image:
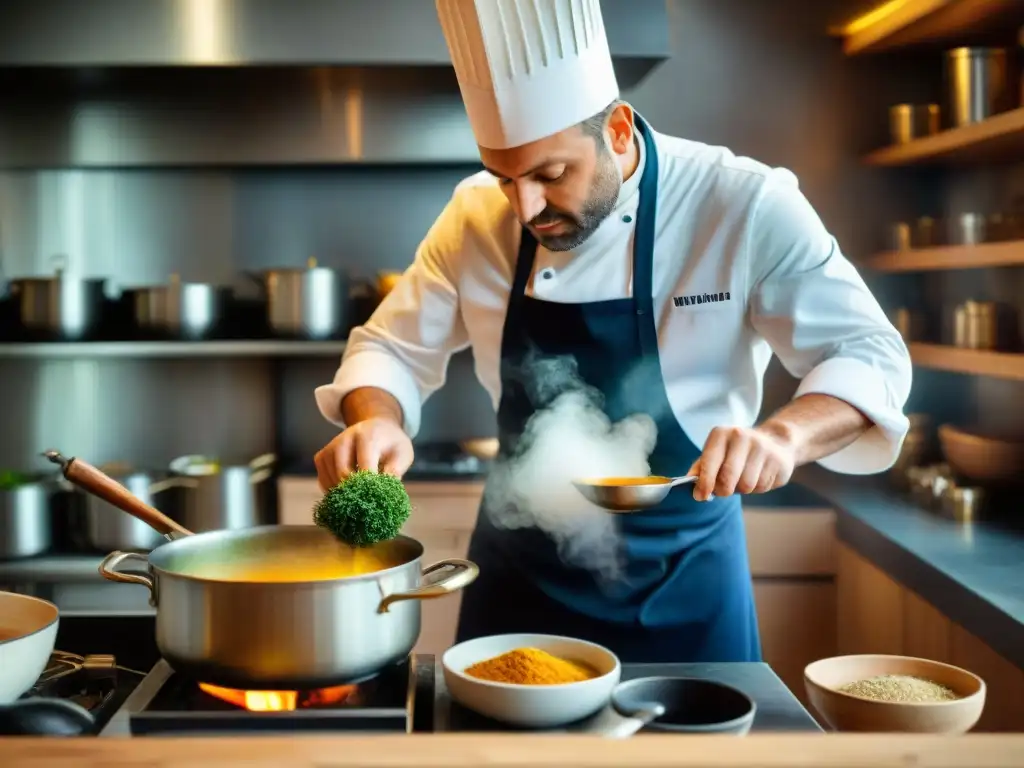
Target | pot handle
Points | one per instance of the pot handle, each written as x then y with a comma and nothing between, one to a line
263,461
108,570
178,481
461,573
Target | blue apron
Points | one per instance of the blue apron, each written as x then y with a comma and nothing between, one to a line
685,594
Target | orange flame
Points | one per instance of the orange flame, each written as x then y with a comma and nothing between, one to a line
279,701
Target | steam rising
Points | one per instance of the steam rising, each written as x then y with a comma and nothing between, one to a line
568,438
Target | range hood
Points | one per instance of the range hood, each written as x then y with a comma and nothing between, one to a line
239,33
191,83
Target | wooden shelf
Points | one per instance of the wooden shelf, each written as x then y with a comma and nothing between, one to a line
1008,254
998,139
998,365
171,349
934,23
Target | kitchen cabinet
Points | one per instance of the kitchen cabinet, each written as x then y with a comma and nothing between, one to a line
792,561
877,614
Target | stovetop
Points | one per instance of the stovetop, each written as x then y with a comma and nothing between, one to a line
408,697
95,682
398,700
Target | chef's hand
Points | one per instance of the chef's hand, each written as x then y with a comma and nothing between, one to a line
743,460
379,444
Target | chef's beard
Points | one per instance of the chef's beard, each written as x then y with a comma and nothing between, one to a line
603,194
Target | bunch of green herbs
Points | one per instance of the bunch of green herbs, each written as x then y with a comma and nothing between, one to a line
365,508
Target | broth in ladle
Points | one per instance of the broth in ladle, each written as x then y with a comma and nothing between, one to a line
621,481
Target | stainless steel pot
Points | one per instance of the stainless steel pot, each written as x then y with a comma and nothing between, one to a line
107,527
68,307
311,302
276,607
26,521
187,310
223,496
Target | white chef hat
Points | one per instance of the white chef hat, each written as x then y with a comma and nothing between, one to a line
528,68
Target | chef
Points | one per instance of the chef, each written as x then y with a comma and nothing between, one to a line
672,265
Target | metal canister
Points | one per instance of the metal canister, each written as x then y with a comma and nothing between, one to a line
926,233
900,236
963,504
978,84
976,325
969,229
913,121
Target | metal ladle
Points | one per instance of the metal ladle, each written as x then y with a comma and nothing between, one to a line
633,496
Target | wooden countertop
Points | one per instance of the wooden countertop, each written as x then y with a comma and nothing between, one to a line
514,751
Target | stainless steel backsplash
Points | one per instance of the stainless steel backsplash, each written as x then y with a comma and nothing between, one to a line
136,228
102,118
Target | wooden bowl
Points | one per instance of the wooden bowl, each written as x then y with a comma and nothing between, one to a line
845,712
982,458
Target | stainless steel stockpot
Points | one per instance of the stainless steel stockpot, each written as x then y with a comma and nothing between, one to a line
275,607
238,609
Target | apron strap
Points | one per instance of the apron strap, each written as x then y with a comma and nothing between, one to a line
643,251
643,245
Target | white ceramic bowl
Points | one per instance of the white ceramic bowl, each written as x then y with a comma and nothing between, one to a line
531,706
28,630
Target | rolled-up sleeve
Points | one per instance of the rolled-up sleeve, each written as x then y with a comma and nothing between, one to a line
813,308
405,346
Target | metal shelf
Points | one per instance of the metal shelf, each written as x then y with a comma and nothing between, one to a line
170,349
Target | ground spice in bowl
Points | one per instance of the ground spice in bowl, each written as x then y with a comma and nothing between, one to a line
901,689
530,666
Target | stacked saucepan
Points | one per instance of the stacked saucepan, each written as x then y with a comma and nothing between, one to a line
275,607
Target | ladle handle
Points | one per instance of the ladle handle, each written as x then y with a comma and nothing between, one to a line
684,480
92,480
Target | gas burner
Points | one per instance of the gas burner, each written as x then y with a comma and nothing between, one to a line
169,703
91,683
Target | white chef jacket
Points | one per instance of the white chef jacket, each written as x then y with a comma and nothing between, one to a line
743,267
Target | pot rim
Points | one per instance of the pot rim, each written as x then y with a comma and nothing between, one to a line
228,533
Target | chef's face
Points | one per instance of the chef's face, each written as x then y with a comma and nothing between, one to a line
563,186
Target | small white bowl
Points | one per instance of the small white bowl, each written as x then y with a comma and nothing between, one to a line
531,706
